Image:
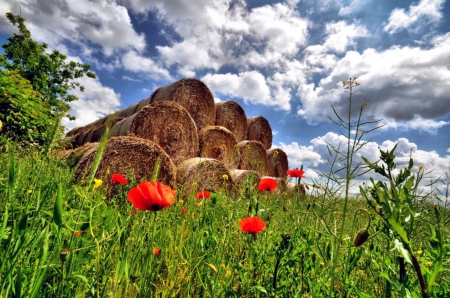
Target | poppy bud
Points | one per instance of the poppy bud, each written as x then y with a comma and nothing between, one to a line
63,254
361,237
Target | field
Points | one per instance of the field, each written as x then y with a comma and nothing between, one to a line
65,239
61,238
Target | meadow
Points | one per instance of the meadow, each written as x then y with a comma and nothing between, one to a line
60,238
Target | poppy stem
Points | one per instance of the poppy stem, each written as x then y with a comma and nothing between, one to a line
148,256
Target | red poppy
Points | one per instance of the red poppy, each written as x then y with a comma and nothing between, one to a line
296,173
78,233
152,196
204,194
117,178
267,184
183,211
156,251
252,225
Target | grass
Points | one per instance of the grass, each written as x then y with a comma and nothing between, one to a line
99,248
64,239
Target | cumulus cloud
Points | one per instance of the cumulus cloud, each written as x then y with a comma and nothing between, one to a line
95,102
251,86
134,62
426,10
316,157
405,85
81,22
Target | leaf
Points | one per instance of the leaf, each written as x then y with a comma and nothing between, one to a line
398,245
57,210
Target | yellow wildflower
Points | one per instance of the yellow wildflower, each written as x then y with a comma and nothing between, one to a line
30,191
97,183
225,177
420,168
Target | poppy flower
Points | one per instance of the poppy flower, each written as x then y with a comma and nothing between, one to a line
296,173
152,196
156,251
252,225
268,184
117,178
204,194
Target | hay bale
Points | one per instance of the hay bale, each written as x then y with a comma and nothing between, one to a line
128,111
194,96
231,115
258,129
253,157
83,159
244,177
196,174
167,124
278,163
96,132
125,154
219,143
143,103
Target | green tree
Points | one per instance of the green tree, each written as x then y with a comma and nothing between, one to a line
24,62
22,111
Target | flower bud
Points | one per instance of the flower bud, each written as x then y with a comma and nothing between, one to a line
361,237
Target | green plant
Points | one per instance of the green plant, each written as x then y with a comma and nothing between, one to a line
393,202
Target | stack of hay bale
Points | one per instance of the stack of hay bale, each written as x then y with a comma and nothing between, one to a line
200,145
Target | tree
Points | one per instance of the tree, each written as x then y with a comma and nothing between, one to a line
50,76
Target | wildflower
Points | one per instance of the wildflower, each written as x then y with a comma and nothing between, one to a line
296,173
225,177
97,183
252,225
156,251
204,194
183,211
117,178
78,233
152,196
30,191
268,184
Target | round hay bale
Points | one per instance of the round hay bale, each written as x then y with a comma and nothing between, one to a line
128,111
244,178
80,139
97,132
123,155
219,143
278,163
253,157
231,115
196,174
258,129
194,96
167,124
74,131
143,103
83,159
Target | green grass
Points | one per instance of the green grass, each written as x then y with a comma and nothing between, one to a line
60,239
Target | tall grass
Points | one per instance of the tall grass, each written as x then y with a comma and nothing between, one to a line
63,239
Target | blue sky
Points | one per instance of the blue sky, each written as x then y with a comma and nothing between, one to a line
284,60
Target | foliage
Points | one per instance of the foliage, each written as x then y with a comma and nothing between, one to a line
22,112
27,63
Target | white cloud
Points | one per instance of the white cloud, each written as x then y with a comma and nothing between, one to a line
426,9
251,86
134,62
84,23
316,157
408,87
95,102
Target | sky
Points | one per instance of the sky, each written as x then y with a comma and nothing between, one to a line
283,60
